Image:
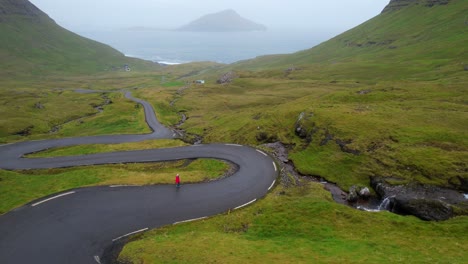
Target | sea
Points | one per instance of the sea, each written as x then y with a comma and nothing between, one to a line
174,47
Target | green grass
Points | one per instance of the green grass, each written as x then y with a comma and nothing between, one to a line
161,98
59,106
416,43
122,117
386,125
317,161
101,148
73,113
302,225
20,187
394,88
173,84
35,46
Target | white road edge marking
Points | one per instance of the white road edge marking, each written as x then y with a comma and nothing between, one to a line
191,220
273,184
235,145
98,259
51,198
274,165
123,185
244,205
262,152
129,234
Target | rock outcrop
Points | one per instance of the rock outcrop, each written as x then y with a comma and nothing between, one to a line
427,202
306,129
19,8
358,193
228,77
399,4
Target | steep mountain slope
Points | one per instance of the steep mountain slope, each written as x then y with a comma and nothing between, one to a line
32,43
410,38
224,21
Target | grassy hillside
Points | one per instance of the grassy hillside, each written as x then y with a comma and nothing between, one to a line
414,42
302,225
36,113
33,45
388,98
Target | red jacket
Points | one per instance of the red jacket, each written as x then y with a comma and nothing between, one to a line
177,179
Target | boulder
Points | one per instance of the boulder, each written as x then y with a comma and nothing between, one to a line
39,105
300,130
358,193
226,78
428,202
365,193
305,127
364,92
353,195
426,209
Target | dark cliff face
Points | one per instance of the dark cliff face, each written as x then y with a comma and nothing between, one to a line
399,4
19,8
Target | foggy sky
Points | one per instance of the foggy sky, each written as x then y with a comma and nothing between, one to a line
326,15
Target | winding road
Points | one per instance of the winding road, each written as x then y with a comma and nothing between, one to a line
76,226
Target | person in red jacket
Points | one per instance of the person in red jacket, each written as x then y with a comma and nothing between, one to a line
177,180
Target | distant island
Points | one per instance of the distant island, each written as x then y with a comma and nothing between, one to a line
224,21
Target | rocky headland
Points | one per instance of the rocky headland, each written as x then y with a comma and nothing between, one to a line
224,21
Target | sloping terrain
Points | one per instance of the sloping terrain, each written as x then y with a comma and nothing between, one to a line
385,99
418,40
33,44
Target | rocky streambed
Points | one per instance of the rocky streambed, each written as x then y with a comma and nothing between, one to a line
291,177
426,202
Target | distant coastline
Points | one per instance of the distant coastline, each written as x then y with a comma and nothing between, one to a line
142,28
176,47
168,63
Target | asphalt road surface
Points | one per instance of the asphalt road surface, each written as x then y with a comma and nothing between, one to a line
77,225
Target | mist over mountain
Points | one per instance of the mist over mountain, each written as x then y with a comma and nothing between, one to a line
224,21
33,43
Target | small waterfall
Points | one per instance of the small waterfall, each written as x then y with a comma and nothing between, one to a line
363,208
385,204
